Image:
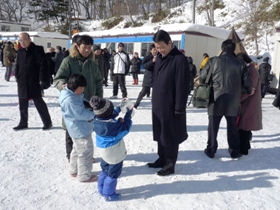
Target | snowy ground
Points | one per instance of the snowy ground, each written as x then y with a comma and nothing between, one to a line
34,170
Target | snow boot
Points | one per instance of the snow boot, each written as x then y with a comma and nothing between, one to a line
101,179
109,189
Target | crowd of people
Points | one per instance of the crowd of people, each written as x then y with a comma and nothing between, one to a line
81,73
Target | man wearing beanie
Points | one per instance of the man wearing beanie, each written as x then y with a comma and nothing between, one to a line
100,61
264,71
78,119
109,140
120,67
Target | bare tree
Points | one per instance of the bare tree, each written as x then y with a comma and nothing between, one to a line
256,15
129,13
12,10
86,6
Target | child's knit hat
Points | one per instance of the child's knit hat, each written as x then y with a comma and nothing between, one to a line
102,108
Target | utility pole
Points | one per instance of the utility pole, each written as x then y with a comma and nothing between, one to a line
194,11
69,17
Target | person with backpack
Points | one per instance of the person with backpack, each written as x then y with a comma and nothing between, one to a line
120,67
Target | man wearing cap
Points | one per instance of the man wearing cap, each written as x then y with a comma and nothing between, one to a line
264,71
120,66
100,61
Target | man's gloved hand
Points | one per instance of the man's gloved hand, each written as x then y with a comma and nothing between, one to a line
45,85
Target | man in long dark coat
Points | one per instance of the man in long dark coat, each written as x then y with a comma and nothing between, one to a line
229,76
170,93
32,74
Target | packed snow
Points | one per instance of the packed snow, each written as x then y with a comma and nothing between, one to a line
34,169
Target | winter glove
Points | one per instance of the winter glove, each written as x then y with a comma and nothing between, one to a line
125,103
87,105
121,120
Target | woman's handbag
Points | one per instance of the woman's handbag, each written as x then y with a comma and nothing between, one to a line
201,93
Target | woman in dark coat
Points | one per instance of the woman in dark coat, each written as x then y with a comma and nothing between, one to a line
135,67
170,93
250,108
149,64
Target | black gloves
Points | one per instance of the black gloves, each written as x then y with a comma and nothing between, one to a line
87,105
45,85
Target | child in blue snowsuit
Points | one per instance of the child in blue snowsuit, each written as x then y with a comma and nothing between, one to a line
109,140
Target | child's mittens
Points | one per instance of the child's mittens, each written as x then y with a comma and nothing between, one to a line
87,105
121,120
125,103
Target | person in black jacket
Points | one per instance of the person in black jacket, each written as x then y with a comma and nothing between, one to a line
148,63
50,63
100,61
193,72
229,76
135,67
169,99
58,58
264,71
107,58
32,74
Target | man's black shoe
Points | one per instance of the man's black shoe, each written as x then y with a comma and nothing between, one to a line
210,155
46,127
236,156
166,170
20,127
157,164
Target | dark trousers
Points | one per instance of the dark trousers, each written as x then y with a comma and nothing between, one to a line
106,71
232,134
264,89
112,170
68,143
8,72
41,108
144,91
111,75
119,79
168,153
245,137
135,76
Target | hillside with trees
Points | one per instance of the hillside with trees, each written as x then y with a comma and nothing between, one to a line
257,19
